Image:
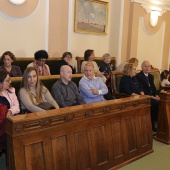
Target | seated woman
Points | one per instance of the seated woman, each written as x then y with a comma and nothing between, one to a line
131,60
164,78
129,83
66,60
7,94
8,58
41,57
89,57
9,104
33,92
106,66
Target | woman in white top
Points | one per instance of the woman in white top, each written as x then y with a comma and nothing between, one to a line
89,57
33,92
164,78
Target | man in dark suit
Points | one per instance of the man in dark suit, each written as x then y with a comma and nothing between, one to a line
146,81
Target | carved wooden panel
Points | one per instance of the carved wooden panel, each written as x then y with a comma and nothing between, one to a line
60,153
163,130
34,156
93,136
117,138
82,150
101,144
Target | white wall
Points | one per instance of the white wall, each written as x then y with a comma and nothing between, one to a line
149,48
79,42
24,37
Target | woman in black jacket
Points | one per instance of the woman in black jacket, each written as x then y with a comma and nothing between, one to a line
129,83
66,60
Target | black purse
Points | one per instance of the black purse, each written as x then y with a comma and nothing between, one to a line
46,106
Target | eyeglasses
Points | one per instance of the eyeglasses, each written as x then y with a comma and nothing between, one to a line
8,81
44,61
68,57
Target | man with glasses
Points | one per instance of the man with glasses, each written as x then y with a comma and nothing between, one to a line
41,57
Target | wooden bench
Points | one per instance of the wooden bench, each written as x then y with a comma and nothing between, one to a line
23,62
48,81
117,75
97,60
163,129
96,136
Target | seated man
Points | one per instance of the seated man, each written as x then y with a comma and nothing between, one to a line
92,88
64,91
146,81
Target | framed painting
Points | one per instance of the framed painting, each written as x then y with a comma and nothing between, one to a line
91,16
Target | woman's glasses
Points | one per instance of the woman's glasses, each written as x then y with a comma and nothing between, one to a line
44,61
8,80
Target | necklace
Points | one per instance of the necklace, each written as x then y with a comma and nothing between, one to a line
33,95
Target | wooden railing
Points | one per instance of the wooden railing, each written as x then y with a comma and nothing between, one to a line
95,136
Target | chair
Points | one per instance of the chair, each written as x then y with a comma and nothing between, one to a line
115,81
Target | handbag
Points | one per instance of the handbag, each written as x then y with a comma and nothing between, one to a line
46,106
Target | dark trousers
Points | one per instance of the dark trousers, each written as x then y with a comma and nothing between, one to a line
109,96
154,110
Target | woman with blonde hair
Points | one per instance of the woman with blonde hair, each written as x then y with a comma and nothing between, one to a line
33,92
129,83
133,60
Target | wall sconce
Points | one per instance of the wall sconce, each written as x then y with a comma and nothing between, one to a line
154,17
154,8
17,2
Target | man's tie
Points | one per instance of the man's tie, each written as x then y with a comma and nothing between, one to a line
147,80
149,84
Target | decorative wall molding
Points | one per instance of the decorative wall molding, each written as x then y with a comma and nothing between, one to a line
16,12
17,2
165,5
145,29
154,8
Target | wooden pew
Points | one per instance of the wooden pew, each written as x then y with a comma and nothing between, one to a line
96,136
163,129
48,81
23,62
97,60
117,75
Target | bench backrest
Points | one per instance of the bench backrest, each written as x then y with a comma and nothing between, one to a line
97,60
117,75
48,81
23,62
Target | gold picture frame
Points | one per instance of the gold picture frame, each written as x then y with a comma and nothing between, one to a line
91,16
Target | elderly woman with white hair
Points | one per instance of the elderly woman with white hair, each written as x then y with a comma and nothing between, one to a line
106,66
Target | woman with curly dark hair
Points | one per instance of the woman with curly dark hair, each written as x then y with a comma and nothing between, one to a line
8,58
40,57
